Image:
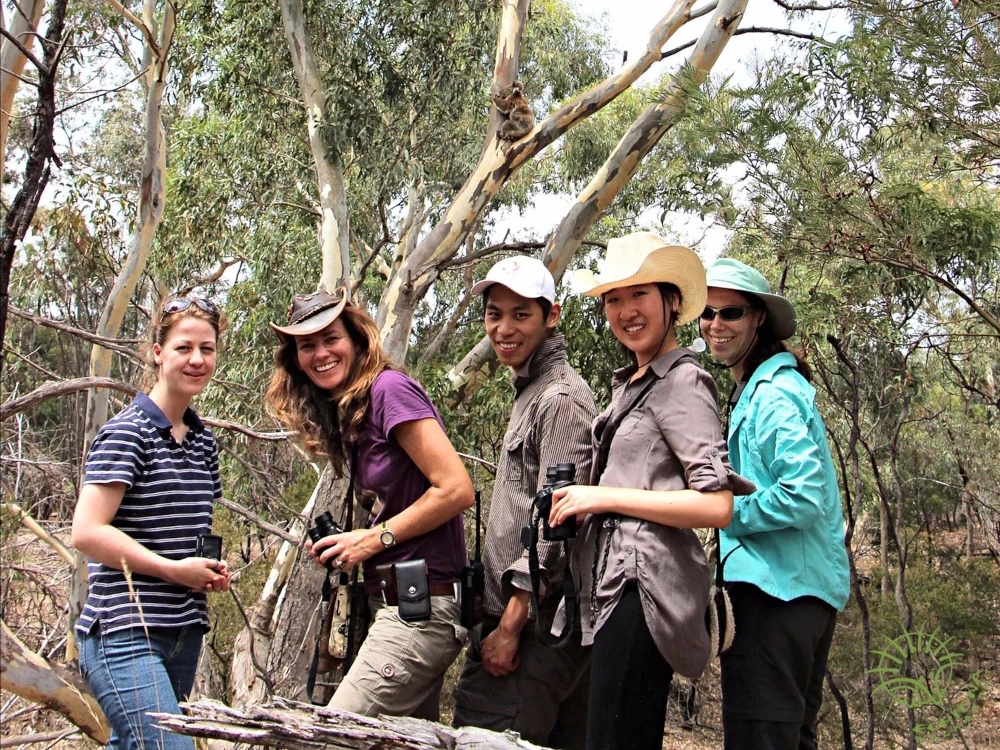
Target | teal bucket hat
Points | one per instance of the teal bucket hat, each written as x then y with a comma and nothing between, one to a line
728,273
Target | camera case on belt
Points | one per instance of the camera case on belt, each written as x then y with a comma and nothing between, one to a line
405,586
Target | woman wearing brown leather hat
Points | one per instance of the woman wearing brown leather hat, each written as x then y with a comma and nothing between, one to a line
335,386
659,471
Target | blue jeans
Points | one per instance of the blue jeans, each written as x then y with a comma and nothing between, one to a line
131,674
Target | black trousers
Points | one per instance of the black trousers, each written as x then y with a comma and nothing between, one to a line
629,682
772,676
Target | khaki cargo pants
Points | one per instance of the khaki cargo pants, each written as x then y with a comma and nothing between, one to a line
400,667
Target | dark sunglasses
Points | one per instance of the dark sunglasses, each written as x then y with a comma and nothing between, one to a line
183,303
729,313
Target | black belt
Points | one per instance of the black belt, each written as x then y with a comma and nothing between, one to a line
435,589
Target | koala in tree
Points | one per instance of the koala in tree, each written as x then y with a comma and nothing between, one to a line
511,103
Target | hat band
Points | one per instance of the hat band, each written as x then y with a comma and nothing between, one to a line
306,314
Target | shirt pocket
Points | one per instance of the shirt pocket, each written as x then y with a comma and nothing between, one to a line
513,468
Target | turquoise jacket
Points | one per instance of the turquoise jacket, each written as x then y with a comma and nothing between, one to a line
792,528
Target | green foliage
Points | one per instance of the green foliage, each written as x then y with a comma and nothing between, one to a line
919,671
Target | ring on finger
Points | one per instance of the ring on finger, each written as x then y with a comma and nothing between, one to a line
338,562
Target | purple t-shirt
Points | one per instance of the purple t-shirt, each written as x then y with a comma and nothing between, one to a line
386,469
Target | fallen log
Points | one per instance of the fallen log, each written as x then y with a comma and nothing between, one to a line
302,726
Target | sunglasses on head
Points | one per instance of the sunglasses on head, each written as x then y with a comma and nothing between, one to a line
728,313
183,303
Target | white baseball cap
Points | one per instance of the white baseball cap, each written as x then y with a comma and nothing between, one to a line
522,275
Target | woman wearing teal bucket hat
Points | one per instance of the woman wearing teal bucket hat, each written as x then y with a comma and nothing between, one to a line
787,574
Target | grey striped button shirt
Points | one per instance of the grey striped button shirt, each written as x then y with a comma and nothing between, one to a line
550,422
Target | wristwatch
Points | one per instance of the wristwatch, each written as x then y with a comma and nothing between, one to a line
386,536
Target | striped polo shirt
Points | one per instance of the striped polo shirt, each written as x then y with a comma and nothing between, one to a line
170,490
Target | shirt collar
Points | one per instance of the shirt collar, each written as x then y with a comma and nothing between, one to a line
659,366
148,407
550,352
767,369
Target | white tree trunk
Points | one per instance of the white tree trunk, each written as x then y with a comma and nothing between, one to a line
497,164
23,25
334,231
612,177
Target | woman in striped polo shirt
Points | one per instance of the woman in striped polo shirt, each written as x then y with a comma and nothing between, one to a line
152,478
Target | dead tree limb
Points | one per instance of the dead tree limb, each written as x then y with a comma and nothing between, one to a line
25,673
32,525
303,726
66,387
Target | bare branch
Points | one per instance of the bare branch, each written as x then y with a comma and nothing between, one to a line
65,387
796,7
132,18
752,30
27,739
32,525
42,68
107,343
44,371
22,79
258,521
28,675
62,388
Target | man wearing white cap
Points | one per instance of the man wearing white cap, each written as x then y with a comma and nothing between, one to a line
513,680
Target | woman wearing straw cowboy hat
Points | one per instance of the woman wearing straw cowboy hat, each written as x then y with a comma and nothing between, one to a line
659,471
788,574
336,387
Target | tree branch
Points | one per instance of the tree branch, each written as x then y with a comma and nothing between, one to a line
795,7
258,521
32,525
42,68
65,387
27,739
107,343
138,23
751,30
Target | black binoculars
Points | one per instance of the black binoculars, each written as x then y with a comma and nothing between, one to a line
325,526
560,475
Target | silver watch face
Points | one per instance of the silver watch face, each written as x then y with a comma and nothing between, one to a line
387,538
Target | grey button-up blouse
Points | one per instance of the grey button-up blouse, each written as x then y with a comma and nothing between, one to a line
671,439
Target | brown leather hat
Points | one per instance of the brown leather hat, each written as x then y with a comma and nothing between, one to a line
310,313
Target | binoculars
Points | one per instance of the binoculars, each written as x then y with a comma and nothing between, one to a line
560,475
325,526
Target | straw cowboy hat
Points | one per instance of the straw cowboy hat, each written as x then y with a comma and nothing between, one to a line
647,258
310,313
728,273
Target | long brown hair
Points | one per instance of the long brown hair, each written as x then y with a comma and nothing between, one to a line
767,344
328,424
161,326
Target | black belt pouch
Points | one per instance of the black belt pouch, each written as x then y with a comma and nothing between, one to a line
413,591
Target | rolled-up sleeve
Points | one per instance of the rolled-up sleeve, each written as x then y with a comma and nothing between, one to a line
791,456
688,418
